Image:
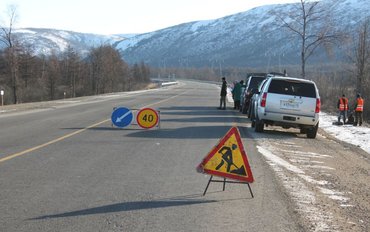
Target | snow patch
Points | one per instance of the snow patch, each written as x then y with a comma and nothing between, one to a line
305,199
356,135
279,161
307,154
200,24
335,195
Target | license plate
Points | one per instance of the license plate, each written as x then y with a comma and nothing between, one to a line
288,118
290,105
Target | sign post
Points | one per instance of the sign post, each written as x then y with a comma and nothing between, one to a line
2,97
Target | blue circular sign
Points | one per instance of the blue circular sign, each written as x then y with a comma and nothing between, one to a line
122,117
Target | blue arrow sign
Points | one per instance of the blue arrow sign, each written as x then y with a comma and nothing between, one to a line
122,117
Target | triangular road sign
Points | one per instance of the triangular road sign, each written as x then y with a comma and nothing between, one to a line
228,159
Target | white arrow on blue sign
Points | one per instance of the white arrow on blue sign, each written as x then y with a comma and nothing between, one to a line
122,117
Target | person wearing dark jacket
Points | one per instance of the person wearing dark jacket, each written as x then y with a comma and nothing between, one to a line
223,94
237,91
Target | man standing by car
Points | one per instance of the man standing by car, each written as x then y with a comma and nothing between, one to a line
237,91
359,108
223,94
343,108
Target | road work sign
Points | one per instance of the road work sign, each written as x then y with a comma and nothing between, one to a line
122,117
228,159
147,118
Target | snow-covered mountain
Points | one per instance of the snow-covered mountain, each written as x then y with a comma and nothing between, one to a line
251,38
48,41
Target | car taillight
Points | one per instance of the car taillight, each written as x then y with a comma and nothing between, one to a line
318,105
263,101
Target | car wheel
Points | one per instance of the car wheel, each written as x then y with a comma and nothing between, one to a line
244,110
249,111
311,133
259,125
253,118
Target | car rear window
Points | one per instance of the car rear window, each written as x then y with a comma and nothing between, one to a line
254,83
292,87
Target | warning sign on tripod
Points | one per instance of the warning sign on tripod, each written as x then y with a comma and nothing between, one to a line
228,159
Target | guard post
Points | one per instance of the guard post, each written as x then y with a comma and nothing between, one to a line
2,97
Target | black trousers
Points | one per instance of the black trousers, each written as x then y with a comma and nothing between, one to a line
358,118
223,102
237,104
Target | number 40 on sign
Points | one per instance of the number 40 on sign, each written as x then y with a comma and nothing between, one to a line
147,118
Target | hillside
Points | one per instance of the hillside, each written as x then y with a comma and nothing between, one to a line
253,38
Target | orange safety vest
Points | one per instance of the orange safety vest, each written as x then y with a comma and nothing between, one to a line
343,104
360,104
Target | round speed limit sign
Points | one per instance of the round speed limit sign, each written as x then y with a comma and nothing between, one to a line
147,118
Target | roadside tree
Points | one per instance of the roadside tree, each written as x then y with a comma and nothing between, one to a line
362,57
11,51
310,21
108,72
71,70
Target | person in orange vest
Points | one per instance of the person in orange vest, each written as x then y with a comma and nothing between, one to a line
359,108
343,108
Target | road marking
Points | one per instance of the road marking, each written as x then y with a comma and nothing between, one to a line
9,157
50,142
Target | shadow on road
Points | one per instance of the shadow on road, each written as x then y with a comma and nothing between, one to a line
128,206
196,132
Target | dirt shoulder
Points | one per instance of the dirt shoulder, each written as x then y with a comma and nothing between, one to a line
327,179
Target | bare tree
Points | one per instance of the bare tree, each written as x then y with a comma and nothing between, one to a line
362,55
53,75
8,39
107,70
308,21
71,65
145,72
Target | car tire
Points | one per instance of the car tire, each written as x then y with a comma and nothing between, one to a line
253,118
259,126
311,132
249,111
244,110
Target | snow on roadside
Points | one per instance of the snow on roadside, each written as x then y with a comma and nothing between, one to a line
290,166
298,189
356,135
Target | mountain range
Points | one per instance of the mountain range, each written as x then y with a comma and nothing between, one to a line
254,38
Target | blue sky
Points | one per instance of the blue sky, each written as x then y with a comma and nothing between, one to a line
121,16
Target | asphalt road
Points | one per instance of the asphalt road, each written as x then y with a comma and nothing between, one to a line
63,167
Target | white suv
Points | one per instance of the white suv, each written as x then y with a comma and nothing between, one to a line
288,102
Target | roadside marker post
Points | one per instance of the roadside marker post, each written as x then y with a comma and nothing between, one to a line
2,97
228,160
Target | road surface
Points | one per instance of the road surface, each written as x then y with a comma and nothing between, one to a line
63,167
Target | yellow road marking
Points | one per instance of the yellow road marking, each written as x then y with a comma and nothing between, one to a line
50,142
9,157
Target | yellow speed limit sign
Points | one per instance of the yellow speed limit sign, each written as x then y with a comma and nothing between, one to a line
147,118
